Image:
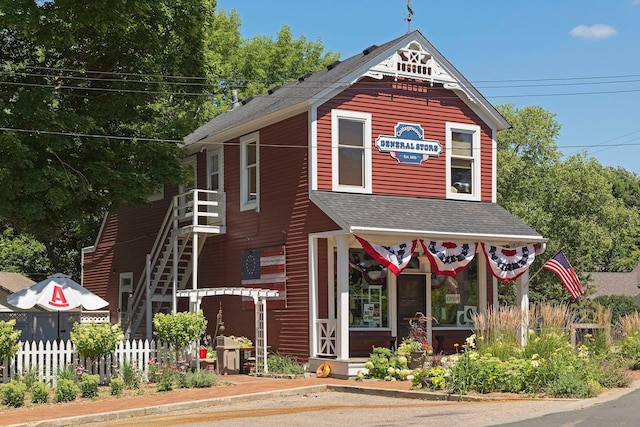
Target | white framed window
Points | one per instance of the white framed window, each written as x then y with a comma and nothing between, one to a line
463,161
351,151
215,169
250,172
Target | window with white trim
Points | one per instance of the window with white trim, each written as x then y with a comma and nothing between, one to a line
463,161
351,151
215,177
249,172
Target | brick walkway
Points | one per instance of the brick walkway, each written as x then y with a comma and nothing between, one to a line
231,385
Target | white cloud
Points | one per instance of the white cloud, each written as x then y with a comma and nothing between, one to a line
635,1
595,31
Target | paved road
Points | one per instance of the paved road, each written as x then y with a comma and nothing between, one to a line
624,411
348,409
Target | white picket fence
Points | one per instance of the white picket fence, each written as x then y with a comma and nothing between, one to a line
49,358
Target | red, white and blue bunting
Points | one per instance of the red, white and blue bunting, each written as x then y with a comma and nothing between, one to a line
449,258
508,264
395,258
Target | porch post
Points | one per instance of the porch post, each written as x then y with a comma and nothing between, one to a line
194,271
342,330
313,296
482,285
522,286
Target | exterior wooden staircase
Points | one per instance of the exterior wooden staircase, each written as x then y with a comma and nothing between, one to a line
172,263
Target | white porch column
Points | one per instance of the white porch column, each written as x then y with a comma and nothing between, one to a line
482,285
342,350
313,296
148,313
522,287
194,272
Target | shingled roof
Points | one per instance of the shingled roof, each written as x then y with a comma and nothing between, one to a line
615,283
434,218
318,87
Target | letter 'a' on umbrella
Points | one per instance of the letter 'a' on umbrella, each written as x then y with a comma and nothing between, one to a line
57,292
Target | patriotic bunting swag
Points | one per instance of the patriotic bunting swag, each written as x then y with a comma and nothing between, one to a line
448,258
509,264
395,258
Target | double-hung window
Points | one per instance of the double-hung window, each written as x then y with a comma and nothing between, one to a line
351,151
463,161
249,172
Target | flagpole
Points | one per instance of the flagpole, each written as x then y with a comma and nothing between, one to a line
536,273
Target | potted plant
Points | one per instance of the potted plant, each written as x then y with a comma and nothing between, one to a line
416,346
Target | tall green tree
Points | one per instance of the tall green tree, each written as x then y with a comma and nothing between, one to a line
95,95
570,201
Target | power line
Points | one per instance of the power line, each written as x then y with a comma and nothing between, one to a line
275,95
179,141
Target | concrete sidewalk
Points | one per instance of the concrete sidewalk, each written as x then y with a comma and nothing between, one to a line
239,388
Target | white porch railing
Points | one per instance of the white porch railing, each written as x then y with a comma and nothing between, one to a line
327,336
49,358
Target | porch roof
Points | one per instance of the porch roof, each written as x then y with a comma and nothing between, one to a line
437,219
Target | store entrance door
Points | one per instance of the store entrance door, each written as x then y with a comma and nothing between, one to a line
412,298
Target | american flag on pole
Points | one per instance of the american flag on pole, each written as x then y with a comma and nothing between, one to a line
559,264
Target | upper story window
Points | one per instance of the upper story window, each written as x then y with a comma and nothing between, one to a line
351,151
215,178
463,161
249,172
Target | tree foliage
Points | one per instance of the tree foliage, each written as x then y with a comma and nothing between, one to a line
9,339
130,73
179,329
571,201
94,340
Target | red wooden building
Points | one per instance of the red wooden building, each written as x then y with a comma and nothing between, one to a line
390,146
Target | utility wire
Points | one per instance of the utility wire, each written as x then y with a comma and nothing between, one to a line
179,141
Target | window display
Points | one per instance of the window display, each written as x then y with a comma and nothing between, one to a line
455,299
368,291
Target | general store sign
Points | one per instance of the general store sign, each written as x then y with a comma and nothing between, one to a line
408,144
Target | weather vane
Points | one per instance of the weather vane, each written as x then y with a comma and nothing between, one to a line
409,16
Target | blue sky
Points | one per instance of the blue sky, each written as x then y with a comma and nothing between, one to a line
579,59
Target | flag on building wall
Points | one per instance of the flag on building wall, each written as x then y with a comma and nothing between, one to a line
265,268
449,258
509,263
395,258
559,264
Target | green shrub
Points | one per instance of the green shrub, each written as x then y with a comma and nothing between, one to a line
39,392
89,385
66,373
179,329
610,372
9,339
570,384
65,391
29,378
620,305
116,386
630,350
280,363
131,375
433,378
94,340
198,379
13,393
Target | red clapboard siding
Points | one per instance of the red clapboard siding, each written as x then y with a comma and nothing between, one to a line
390,103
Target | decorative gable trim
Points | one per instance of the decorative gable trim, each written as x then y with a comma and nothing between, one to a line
415,62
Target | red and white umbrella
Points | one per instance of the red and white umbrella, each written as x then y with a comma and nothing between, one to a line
57,292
